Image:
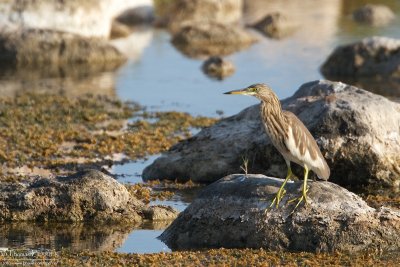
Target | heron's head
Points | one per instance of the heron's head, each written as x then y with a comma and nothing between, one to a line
259,90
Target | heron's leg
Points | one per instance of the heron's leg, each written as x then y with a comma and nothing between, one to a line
304,194
282,191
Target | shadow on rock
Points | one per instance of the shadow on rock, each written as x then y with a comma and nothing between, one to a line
233,213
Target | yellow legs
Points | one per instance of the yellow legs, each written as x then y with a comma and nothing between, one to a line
305,190
282,191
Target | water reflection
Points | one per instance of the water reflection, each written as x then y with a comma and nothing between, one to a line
75,236
139,238
21,81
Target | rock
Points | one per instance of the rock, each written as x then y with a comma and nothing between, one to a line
376,15
230,213
388,87
376,56
275,25
34,47
119,30
175,13
211,39
137,16
91,18
85,196
160,213
217,67
357,132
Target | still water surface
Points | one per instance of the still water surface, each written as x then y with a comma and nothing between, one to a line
161,78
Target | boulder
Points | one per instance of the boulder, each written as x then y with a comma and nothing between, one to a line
357,132
90,18
35,47
211,39
176,13
276,25
160,213
375,56
233,213
137,16
85,196
376,15
218,67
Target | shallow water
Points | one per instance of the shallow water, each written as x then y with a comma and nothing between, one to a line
161,78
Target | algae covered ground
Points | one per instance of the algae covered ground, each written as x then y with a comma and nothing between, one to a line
230,257
60,134
213,257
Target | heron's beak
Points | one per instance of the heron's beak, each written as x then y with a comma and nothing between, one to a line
238,92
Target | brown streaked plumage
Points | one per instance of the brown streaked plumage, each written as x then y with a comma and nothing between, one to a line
290,137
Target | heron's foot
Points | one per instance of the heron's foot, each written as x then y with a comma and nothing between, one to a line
277,199
300,199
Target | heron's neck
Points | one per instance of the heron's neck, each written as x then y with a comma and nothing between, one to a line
272,109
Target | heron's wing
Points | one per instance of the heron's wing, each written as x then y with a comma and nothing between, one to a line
303,147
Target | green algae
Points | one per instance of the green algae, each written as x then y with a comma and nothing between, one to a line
54,132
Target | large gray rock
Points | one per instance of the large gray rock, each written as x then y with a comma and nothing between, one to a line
358,133
376,15
230,213
90,18
86,196
375,56
36,47
211,39
176,13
